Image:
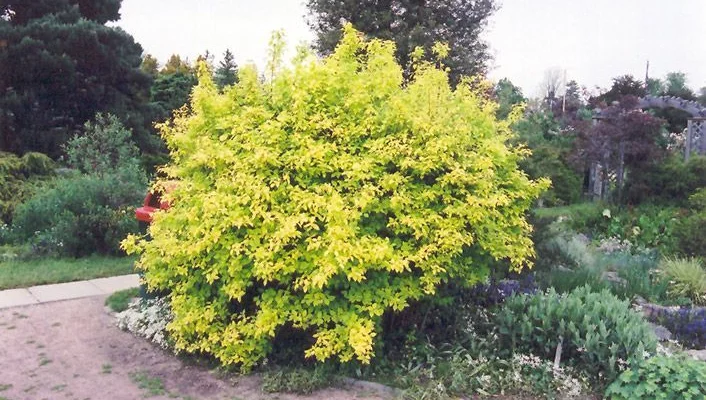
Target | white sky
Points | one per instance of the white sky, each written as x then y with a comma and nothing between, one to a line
593,40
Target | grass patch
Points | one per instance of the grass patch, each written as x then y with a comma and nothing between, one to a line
119,301
25,273
574,210
150,385
297,380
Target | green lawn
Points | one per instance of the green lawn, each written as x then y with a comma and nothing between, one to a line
573,210
119,301
25,273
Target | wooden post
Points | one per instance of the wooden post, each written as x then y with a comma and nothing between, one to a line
621,170
689,135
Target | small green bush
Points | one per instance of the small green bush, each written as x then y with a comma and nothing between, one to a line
687,278
661,378
598,330
641,277
19,178
37,164
669,182
90,212
645,226
104,146
690,229
79,216
540,132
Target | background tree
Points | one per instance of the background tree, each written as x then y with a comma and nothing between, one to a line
227,71
150,65
60,66
100,11
172,87
625,85
552,86
410,24
655,86
676,85
507,95
176,65
208,59
574,98
551,145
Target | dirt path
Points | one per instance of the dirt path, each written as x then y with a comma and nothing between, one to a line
72,350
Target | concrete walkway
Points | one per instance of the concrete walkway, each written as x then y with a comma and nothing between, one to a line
66,291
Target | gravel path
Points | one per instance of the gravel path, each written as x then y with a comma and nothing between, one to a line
72,350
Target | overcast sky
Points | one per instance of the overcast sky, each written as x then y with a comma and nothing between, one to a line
592,40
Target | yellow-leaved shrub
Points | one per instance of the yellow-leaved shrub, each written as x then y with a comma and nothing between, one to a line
326,194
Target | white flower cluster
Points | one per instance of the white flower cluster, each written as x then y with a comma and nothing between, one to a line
147,319
564,380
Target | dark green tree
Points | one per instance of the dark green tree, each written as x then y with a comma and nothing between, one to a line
170,92
172,87
227,71
573,99
60,65
23,11
542,133
411,24
507,95
655,86
625,85
675,85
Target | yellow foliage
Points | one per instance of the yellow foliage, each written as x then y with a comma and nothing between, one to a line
326,195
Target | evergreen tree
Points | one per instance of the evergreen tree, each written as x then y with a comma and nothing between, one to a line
411,24
172,87
175,65
227,72
60,65
150,65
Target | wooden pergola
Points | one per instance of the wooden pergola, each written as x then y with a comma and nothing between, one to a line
695,140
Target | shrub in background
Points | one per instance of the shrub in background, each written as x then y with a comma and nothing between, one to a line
19,178
671,181
641,276
541,133
597,330
645,226
87,212
661,378
326,196
690,230
79,216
